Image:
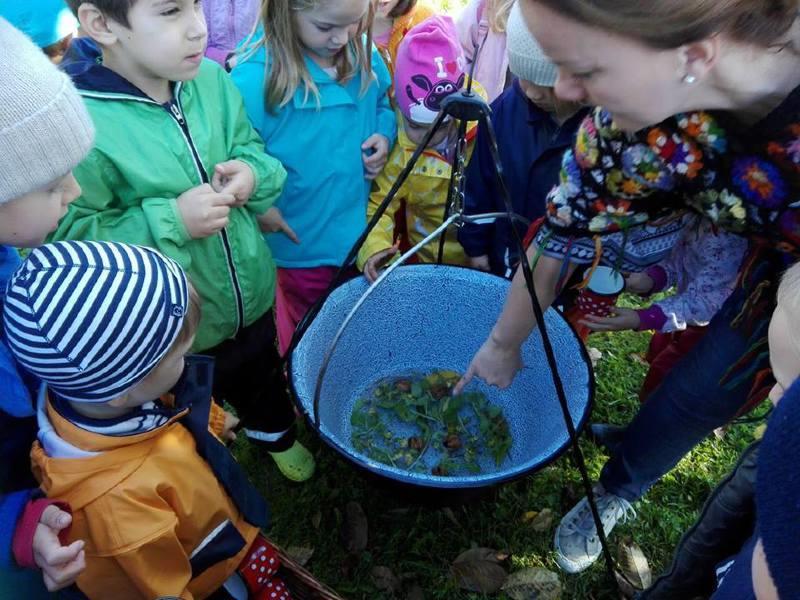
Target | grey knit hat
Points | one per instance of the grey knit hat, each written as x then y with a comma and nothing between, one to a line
92,319
525,57
45,130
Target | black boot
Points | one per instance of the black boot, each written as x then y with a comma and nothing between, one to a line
725,523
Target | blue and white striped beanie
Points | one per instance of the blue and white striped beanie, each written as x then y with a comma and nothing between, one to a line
92,319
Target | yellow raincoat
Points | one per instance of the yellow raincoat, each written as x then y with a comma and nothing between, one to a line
149,508
425,193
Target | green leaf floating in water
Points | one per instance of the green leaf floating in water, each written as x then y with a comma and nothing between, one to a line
449,433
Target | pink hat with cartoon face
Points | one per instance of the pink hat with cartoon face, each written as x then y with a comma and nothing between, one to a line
428,68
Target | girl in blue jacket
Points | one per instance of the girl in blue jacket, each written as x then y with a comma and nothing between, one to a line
316,91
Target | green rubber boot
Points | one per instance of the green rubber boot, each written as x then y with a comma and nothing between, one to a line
296,463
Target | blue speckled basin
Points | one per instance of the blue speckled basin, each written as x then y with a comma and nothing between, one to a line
427,317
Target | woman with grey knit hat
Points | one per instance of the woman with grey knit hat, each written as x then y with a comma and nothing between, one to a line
44,133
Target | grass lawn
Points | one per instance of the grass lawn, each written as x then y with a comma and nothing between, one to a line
419,544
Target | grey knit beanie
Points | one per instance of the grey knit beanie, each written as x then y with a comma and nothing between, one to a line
45,130
525,57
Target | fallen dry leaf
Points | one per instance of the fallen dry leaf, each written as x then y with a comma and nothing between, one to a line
479,570
385,580
354,528
638,357
533,584
529,516
542,521
633,564
316,520
300,554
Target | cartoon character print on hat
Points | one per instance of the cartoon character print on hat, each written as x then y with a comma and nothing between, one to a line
427,102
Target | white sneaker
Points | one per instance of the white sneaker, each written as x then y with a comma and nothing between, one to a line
576,542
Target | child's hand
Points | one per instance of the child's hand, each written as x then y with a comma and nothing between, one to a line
272,221
624,318
204,211
234,177
60,565
375,161
481,263
377,261
228,429
638,283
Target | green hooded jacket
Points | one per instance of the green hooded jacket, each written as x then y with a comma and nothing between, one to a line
146,155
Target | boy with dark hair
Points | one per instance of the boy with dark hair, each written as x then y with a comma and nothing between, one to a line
178,167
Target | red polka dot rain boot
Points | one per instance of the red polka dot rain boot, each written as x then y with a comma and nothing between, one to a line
258,566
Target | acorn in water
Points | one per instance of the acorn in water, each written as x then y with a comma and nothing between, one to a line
452,442
416,443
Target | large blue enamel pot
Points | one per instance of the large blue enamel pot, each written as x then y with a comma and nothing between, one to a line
427,317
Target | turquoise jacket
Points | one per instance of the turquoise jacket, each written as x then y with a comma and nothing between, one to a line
325,196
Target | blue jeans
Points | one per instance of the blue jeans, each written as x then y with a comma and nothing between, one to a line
688,405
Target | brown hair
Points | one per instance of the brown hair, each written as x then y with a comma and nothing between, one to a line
402,8
668,24
113,9
286,67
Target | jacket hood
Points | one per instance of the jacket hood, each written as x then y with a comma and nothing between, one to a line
105,462
83,62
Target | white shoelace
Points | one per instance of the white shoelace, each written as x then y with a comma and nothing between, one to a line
609,506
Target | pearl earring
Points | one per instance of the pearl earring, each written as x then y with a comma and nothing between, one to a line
689,79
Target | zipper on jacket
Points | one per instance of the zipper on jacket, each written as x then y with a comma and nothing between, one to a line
174,108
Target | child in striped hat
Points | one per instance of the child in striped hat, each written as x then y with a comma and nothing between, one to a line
127,426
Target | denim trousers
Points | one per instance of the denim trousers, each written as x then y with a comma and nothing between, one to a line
689,403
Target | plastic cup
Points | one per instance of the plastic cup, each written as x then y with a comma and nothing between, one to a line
600,296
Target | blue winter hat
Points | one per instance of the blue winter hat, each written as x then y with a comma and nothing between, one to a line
44,21
92,319
778,493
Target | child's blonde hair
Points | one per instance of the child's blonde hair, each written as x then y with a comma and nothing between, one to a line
497,12
285,61
789,300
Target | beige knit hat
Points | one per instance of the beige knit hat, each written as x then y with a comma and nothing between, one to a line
45,130
525,57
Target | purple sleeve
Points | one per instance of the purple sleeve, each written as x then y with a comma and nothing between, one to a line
651,318
705,265
660,278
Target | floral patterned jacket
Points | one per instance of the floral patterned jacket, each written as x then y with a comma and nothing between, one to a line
745,180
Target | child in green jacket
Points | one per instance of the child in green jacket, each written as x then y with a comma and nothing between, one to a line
178,167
